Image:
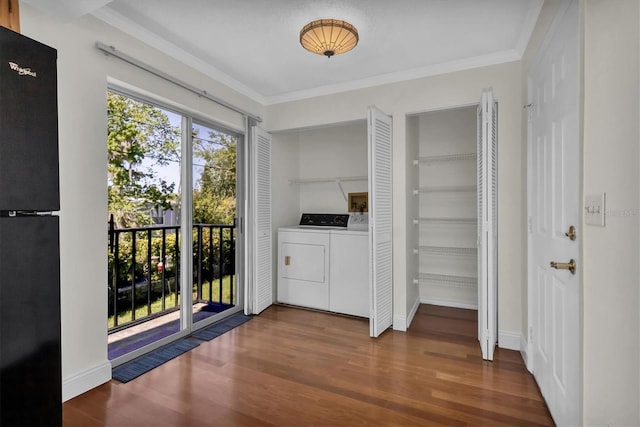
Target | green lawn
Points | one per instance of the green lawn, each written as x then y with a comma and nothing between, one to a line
170,300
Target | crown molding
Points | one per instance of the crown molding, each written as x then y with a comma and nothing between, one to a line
400,76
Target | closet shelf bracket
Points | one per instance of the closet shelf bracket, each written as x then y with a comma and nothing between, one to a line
342,190
337,180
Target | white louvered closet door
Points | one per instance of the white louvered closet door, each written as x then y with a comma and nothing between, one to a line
380,221
487,224
262,270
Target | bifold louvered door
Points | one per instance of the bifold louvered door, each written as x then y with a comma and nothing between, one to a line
487,223
380,221
262,269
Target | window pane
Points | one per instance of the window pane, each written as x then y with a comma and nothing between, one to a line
144,202
214,212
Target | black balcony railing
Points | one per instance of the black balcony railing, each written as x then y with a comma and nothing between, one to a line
144,270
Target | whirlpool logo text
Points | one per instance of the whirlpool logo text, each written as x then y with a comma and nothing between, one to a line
22,71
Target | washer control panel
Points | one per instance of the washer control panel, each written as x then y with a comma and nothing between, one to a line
324,220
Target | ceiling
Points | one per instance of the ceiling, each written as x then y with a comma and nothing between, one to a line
253,46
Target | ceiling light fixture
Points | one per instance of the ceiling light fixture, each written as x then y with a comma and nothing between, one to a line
328,37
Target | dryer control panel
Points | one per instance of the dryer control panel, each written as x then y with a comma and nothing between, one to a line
358,221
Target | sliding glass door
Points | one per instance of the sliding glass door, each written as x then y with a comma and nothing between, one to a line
172,233
213,214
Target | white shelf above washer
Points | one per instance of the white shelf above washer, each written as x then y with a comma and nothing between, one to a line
444,158
328,180
445,189
336,179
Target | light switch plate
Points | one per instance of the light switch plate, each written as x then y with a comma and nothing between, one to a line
594,209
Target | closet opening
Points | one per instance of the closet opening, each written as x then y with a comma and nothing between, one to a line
454,167
447,204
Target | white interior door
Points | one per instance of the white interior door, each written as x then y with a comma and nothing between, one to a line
260,222
487,224
380,221
554,335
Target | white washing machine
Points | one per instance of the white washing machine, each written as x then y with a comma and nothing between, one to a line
349,272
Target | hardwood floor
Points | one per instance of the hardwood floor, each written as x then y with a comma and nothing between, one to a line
294,367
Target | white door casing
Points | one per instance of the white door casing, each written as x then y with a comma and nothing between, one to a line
380,221
261,262
554,202
487,224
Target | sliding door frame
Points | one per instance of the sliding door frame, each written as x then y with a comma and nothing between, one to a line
188,118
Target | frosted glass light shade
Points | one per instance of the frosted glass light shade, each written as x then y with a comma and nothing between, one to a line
328,37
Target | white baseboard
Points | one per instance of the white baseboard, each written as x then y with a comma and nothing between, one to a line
414,310
509,340
525,352
448,303
81,382
399,323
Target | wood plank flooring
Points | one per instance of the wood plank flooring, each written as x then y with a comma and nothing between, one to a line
295,367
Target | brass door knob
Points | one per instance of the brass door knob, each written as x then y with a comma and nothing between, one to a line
571,266
571,234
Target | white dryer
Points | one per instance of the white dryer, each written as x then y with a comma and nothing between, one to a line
303,267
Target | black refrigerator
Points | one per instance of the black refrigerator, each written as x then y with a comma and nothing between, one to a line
30,355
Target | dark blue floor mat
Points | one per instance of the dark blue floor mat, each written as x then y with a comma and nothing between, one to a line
139,340
143,364
219,328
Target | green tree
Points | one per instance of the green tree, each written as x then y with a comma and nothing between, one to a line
135,132
214,195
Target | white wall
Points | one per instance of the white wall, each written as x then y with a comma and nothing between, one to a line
82,82
611,254
428,94
285,167
336,151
